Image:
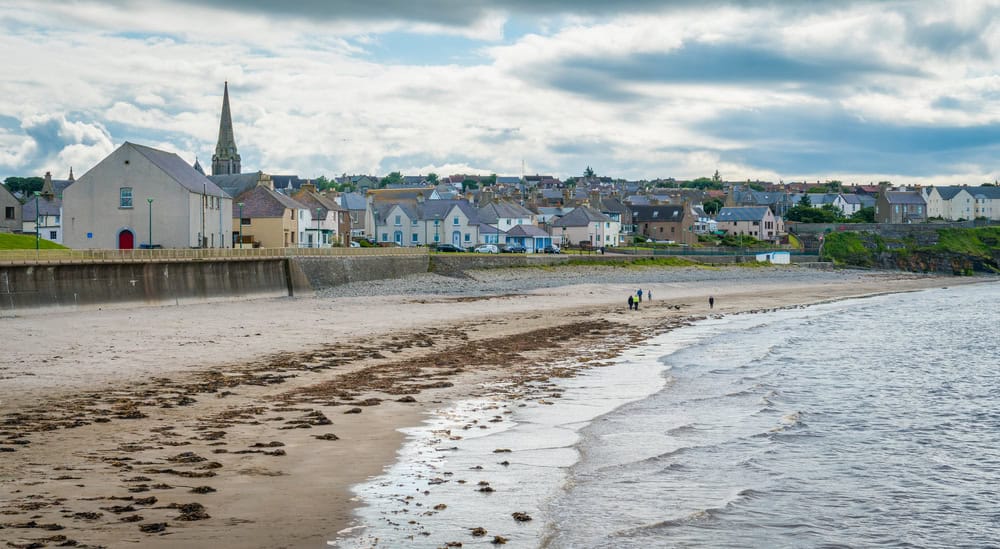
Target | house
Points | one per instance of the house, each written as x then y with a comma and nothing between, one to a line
671,223
587,227
987,202
10,221
265,218
758,222
703,223
378,199
357,212
851,204
900,207
43,212
427,222
962,202
532,237
498,217
329,221
141,196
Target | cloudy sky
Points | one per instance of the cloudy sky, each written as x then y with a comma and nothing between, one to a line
791,90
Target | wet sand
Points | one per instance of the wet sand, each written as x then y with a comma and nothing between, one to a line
245,424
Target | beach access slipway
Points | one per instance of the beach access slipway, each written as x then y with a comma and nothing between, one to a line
43,279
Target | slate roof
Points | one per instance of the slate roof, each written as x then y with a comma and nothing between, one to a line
47,206
493,211
581,217
637,200
353,201
742,214
179,170
235,184
508,180
904,197
261,201
282,182
992,193
527,230
657,214
313,201
442,208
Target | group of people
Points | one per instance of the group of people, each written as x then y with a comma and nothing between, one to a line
635,300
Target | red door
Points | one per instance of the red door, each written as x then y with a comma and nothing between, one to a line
126,240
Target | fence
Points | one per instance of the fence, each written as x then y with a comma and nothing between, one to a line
27,257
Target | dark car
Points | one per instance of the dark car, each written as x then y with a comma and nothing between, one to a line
448,248
514,249
550,249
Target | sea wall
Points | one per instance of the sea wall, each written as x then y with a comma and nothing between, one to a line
314,273
456,265
24,287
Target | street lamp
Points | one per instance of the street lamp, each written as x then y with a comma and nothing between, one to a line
37,217
240,204
150,200
436,223
318,211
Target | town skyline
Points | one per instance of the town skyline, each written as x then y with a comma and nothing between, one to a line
858,92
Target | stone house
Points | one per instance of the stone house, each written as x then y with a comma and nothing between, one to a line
673,223
10,206
900,207
758,222
141,196
587,227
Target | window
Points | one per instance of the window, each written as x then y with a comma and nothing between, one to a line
508,223
125,197
454,221
414,222
399,220
608,225
52,235
414,238
8,212
468,237
244,221
385,237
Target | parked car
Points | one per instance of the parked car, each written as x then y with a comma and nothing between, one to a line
551,249
355,244
448,248
514,249
487,249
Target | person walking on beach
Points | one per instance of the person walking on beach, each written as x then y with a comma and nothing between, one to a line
639,293
649,296
637,301
711,302
630,302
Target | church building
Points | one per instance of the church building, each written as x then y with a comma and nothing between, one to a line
226,161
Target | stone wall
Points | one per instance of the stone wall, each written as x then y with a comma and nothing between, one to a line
456,265
314,273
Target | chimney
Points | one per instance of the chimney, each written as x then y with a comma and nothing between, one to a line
485,198
308,187
265,180
420,198
47,189
595,200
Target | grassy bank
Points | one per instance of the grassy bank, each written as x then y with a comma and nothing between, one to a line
26,242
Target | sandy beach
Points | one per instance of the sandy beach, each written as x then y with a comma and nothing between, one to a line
245,423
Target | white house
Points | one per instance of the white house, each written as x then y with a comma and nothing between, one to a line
426,222
140,196
498,217
758,222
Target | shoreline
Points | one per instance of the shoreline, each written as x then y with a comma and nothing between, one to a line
122,427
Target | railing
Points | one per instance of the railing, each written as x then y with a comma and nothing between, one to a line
168,254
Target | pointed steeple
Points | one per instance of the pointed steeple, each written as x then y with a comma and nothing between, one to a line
197,166
71,178
226,160
47,190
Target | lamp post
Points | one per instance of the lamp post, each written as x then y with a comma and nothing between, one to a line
437,222
37,220
318,211
240,205
150,200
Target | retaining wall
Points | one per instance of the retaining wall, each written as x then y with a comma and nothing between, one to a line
24,287
314,273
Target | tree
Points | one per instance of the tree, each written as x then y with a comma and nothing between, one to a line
26,185
864,215
488,180
469,184
712,206
589,172
322,183
432,178
394,178
808,214
805,201
716,177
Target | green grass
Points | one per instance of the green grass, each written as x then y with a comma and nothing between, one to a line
638,262
849,248
26,242
979,242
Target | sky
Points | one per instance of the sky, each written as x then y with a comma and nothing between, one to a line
857,91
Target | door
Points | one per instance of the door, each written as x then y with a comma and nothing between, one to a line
456,238
397,237
126,240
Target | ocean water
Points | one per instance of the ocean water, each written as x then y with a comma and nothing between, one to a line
859,423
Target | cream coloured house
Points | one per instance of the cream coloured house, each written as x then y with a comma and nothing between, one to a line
139,196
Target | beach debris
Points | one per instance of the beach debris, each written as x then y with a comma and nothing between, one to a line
353,411
202,490
186,457
146,501
521,517
131,518
190,511
499,540
501,451
440,507
153,527
327,436
479,531
436,480
88,515
272,444
453,544
407,398
505,463
119,509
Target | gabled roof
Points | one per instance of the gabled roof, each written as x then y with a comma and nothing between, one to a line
613,204
237,183
657,214
397,194
527,230
313,201
637,200
353,201
742,214
904,197
508,179
178,170
493,211
581,217
261,201
441,208
992,193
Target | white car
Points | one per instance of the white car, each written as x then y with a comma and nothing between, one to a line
354,244
487,249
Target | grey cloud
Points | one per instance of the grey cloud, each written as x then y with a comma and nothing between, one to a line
606,78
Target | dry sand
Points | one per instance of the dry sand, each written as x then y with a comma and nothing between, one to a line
244,424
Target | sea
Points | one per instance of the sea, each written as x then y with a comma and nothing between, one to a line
871,422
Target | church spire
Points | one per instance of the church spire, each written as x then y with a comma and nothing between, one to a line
225,160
